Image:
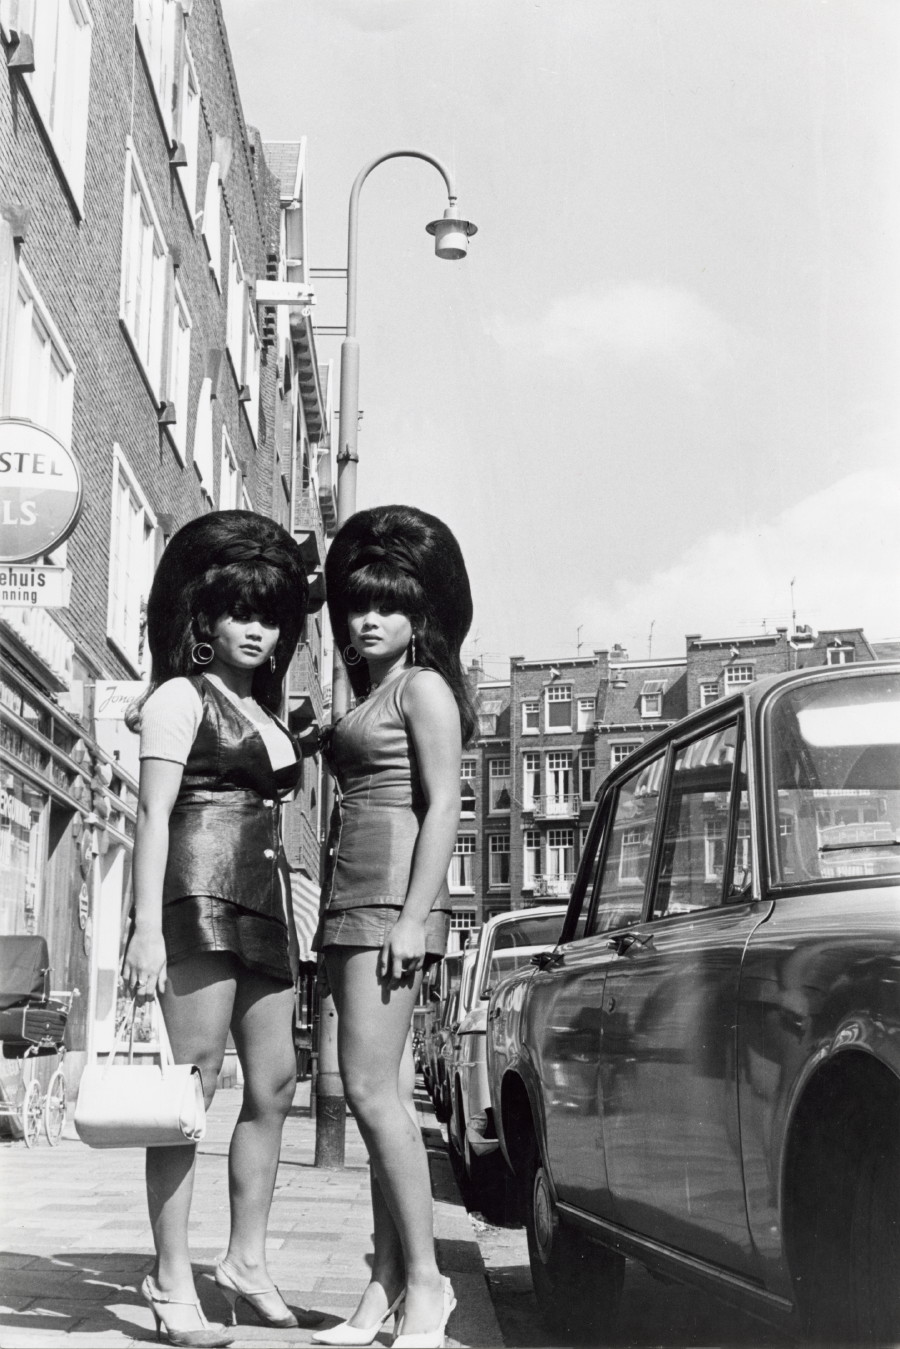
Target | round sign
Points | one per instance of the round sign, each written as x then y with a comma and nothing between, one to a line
40,491
84,905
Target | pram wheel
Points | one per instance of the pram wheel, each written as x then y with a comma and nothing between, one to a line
55,1107
30,1114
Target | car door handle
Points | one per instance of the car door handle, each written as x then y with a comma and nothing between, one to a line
624,941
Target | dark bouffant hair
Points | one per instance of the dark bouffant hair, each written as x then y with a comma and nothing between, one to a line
400,559
227,562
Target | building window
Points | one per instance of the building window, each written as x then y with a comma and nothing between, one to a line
735,675
587,760
585,714
189,128
229,477
131,564
467,790
252,350
531,779
618,753
582,838
462,920
531,718
559,707
158,24
212,222
651,699
142,305
498,774
839,655
531,857
559,778
179,377
61,31
43,372
237,303
709,692
499,859
561,854
462,863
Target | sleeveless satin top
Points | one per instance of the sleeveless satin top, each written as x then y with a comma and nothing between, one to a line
225,826
382,803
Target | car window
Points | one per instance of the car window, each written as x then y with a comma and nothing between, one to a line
697,816
834,760
622,877
742,854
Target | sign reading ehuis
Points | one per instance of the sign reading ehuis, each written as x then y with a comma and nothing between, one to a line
40,491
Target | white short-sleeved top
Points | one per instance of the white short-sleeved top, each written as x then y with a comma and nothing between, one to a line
170,719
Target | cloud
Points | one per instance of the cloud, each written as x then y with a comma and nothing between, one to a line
636,323
841,545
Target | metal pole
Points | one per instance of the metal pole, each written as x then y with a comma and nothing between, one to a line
331,1108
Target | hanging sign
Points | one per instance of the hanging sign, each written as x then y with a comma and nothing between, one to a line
40,490
26,583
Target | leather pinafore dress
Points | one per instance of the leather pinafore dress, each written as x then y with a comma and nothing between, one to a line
227,884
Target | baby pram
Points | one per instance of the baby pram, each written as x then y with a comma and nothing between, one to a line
32,1025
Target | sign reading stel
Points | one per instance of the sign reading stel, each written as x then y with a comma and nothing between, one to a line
40,491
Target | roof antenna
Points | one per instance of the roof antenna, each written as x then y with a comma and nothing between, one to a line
793,610
650,638
578,642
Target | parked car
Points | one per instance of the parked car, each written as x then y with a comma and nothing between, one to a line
507,942
434,1072
708,1079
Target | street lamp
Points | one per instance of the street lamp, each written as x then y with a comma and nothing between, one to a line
451,241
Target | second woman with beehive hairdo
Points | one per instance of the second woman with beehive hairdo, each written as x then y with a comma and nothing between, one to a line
400,606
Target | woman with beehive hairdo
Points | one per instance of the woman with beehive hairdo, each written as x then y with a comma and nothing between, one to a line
212,930
400,606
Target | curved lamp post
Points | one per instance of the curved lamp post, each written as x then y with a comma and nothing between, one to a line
451,241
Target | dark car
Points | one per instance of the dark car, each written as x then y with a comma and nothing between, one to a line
708,1080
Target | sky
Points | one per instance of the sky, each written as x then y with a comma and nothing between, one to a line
660,396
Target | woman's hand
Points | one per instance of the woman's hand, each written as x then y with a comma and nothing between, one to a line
403,952
144,966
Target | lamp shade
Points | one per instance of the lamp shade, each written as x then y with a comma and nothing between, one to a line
451,235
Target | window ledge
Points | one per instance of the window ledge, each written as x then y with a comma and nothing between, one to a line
462,889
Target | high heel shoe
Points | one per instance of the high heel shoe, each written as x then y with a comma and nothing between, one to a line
234,1293
344,1333
428,1339
205,1336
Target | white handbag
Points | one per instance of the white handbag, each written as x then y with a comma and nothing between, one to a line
130,1106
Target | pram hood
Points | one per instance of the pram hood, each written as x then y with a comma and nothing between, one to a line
24,967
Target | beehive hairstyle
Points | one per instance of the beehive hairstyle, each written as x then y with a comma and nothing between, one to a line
402,560
226,562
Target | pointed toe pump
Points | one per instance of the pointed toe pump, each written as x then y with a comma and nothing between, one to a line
344,1333
204,1336
234,1293
428,1339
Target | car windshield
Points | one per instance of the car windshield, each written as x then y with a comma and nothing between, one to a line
515,944
834,807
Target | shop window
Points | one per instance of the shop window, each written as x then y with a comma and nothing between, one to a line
61,31
131,564
499,859
142,304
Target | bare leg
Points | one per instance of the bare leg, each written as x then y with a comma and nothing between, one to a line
197,1006
388,1265
373,1033
262,1034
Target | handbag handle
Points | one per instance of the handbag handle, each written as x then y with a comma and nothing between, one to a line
166,1060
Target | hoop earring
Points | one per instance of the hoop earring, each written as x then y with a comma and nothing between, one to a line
202,653
272,662
351,655
413,645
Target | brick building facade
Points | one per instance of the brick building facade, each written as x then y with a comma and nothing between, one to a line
137,215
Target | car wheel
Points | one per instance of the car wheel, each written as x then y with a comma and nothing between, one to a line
442,1103
577,1283
874,1255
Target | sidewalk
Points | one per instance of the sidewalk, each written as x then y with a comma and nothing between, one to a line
75,1240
